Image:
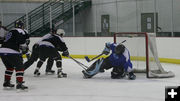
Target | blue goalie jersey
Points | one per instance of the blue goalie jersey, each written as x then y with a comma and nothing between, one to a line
122,60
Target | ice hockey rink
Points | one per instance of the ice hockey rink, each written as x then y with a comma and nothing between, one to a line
100,88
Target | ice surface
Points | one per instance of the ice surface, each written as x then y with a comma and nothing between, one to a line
99,88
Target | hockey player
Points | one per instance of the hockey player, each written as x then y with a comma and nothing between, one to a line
48,48
119,60
35,55
11,56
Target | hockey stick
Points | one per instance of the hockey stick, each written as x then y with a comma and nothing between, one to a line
79,63
29,50
123,41
88,60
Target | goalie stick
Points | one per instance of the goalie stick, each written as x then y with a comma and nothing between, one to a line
79,63
88,60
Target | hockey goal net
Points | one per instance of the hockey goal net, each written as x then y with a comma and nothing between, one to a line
143,52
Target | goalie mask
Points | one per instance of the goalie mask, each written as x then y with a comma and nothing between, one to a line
60,32
120,48
19,24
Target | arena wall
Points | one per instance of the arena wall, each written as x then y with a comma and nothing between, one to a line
168,48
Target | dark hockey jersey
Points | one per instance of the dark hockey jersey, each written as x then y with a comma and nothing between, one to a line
13,40
55,41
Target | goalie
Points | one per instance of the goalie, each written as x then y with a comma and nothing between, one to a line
119,60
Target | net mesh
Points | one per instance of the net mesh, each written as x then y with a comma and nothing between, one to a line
144,55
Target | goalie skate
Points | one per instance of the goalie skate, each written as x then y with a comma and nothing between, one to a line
131,76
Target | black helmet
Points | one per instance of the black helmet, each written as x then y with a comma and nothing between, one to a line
120,48
19,24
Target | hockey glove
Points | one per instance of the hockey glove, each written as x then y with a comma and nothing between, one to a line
24,49
108,44
106,50
27,41
65,53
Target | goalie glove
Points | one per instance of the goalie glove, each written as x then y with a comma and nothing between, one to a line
106,50
65,53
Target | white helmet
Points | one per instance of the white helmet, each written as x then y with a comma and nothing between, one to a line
60,32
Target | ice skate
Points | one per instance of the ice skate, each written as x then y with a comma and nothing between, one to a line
37,73
8,85
131,76
21,87
60,74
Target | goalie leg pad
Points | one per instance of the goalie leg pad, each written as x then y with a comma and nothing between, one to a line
93,69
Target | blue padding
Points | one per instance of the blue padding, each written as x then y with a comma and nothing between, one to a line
96,70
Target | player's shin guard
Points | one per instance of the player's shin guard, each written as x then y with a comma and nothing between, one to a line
93,69
19,79
60,74
49,64
19,75
8,73
59,63
39,64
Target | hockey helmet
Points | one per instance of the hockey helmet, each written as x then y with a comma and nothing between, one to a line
19,24
60,32
120,48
